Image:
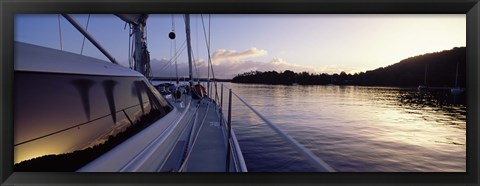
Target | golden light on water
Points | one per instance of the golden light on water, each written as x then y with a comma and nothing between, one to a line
418,127
362,128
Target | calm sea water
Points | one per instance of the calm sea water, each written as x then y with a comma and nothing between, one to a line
352,128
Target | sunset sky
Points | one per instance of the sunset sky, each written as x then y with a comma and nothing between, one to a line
317,43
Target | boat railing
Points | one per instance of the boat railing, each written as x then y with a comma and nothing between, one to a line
239,162
317,162
234,157
234,153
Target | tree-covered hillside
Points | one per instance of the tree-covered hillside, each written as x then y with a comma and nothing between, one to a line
441,69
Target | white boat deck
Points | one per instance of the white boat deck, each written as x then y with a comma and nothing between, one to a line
209,146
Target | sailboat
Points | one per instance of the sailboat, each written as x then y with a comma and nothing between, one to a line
456,89
423,86
89,115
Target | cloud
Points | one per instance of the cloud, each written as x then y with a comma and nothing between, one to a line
280,65
224,54
226,69
229,64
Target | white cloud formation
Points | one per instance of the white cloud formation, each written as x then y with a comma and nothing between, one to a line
224,54
226,69
229,63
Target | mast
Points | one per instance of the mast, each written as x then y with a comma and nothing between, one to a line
189,47
138,31
141,54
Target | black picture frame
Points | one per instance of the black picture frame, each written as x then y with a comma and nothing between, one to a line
9,8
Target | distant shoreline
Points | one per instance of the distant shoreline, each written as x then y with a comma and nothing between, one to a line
386,86
282,84
187,79
440,69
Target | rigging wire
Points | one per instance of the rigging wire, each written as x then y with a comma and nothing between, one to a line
129,44
176,55
208,60
209,56
178,52
196,69
207,42
196,35
60,31
86,28
171,53
175,49
173,23
130,50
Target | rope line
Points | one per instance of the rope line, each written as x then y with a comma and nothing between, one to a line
175,49
60,31
130,47
208,42
175,57
86,28
78,125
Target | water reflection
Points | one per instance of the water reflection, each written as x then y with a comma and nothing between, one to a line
56,126
355,128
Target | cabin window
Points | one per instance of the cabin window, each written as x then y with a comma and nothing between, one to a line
64,121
